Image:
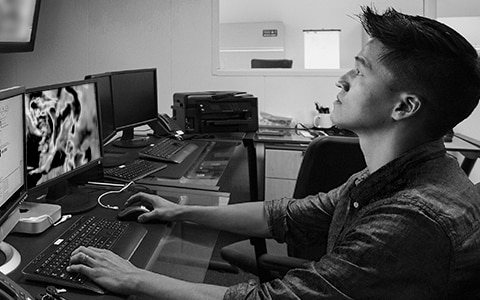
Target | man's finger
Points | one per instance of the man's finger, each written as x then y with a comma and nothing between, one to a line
78,250
138,197
143,218
83,259
90,251
82,269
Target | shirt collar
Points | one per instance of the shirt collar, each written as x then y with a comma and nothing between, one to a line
393,174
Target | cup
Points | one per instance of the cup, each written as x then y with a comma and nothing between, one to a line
322,121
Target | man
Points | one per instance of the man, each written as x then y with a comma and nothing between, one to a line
407,227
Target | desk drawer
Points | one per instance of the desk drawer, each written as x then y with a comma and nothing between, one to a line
283,164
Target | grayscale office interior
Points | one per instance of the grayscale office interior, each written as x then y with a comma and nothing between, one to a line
237,90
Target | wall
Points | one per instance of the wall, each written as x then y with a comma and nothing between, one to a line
79,37
76,38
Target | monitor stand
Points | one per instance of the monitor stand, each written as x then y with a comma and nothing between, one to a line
10,258
72,199
128,140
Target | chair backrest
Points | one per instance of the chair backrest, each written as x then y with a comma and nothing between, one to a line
271,63
328,163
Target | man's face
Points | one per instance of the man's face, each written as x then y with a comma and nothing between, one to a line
365,102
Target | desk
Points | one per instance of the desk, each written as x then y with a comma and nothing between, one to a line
183,252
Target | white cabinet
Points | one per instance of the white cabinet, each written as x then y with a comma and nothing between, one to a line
281,170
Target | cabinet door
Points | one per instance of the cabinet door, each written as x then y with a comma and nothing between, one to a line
278,188
281,170
282,164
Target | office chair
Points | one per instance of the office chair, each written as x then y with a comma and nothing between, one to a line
271,63
328,162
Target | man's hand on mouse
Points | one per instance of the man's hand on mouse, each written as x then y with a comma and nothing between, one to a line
162,209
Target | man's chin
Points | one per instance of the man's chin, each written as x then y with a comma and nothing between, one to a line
335,119
337,122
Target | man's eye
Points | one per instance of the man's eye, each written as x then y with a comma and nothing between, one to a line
357,72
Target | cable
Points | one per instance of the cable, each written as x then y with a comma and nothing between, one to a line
99,200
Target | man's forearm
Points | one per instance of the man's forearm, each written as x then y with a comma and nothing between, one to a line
155,286
245,218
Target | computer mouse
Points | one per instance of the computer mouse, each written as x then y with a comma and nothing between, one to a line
131,213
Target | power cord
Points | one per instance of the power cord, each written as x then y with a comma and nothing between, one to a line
107,206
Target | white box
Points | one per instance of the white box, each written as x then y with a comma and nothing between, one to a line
37,217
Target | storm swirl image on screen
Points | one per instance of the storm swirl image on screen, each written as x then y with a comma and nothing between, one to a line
62,131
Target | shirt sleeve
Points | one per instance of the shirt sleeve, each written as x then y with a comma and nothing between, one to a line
303,222
392,251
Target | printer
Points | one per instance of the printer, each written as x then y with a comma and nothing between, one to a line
215,111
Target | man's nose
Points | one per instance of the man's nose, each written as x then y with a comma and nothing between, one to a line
343,84
343,81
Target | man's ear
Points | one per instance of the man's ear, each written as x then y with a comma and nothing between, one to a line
407,106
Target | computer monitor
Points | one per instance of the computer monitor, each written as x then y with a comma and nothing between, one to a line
63,140
13,187
18,25
104,91
134,103
104,94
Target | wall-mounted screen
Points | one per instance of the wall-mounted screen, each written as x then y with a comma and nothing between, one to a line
18,24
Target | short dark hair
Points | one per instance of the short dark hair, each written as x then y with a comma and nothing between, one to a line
430,59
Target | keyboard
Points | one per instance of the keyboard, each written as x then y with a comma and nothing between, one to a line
50,265
133,171
168,150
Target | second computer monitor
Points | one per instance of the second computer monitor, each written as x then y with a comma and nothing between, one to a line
104,93
63,139
134,101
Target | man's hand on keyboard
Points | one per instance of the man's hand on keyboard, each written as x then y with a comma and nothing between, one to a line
106,268
162,209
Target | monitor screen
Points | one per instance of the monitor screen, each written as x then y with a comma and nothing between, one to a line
134,97
104,92
63,134
12,153
18,23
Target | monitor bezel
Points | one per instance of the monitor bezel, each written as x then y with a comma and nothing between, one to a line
133,125
21,194
105,139
82,169
10,47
